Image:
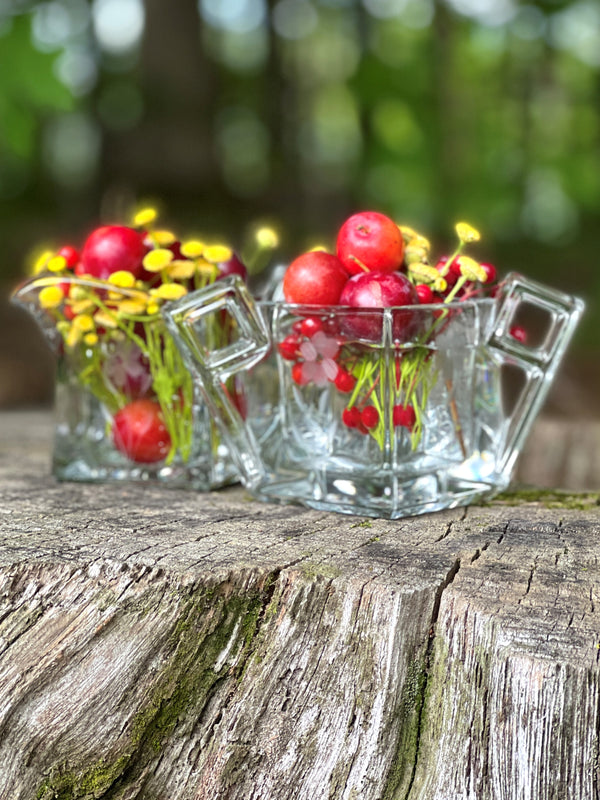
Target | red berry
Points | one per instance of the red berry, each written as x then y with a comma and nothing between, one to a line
70,255
232,267
424,294
175,248
310,326
110,249
519,333
369,417
453,271
344,381
288,348
351,417
378,290
297,374
490,271
139,432
370,242
404,416
314,278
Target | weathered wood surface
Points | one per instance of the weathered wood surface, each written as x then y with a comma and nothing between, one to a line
164,645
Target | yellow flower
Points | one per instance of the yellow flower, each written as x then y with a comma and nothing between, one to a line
157,260
51,296
408,234
420,241
153,308
192,249
217,253
84,323
133,307
471,270
414,254
56,264
423,272
180,269
91,339
105,320
78,293
163,238
82,306
267,238
440,284
466,233
169,291
206,269
144,217
122,278
41,261
73,336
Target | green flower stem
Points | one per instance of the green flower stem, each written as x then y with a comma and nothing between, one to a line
127,330
384,381
446,267
169,376
93,377
455,289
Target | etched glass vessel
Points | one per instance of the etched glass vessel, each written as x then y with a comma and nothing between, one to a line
126,407
382,413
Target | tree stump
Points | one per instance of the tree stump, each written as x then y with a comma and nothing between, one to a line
167,645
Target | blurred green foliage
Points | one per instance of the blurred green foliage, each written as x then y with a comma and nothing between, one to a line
302,111
29,91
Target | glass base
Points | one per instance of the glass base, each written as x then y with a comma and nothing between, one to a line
381,495
199,477
84,450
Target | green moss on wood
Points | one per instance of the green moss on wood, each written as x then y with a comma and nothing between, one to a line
66,784
208,625
550,498
313,571
409,722
211,620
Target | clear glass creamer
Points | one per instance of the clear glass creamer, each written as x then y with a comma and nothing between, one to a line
438,434
114,358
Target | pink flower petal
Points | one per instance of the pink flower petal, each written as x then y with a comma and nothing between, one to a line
308,351
311,371
325,345
330,369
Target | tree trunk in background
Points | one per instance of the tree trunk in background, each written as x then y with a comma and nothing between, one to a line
171,149
445,111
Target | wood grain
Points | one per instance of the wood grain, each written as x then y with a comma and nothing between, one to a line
168,645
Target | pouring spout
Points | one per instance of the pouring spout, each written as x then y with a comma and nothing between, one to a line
41,297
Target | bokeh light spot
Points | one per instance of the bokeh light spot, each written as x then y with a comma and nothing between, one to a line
294,19
72,149
118,24
234,15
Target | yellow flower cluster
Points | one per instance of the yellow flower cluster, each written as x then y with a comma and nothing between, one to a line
86,308
420,271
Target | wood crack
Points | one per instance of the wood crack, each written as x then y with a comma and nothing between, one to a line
449,578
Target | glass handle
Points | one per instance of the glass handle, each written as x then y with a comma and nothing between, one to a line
196,322
539,363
